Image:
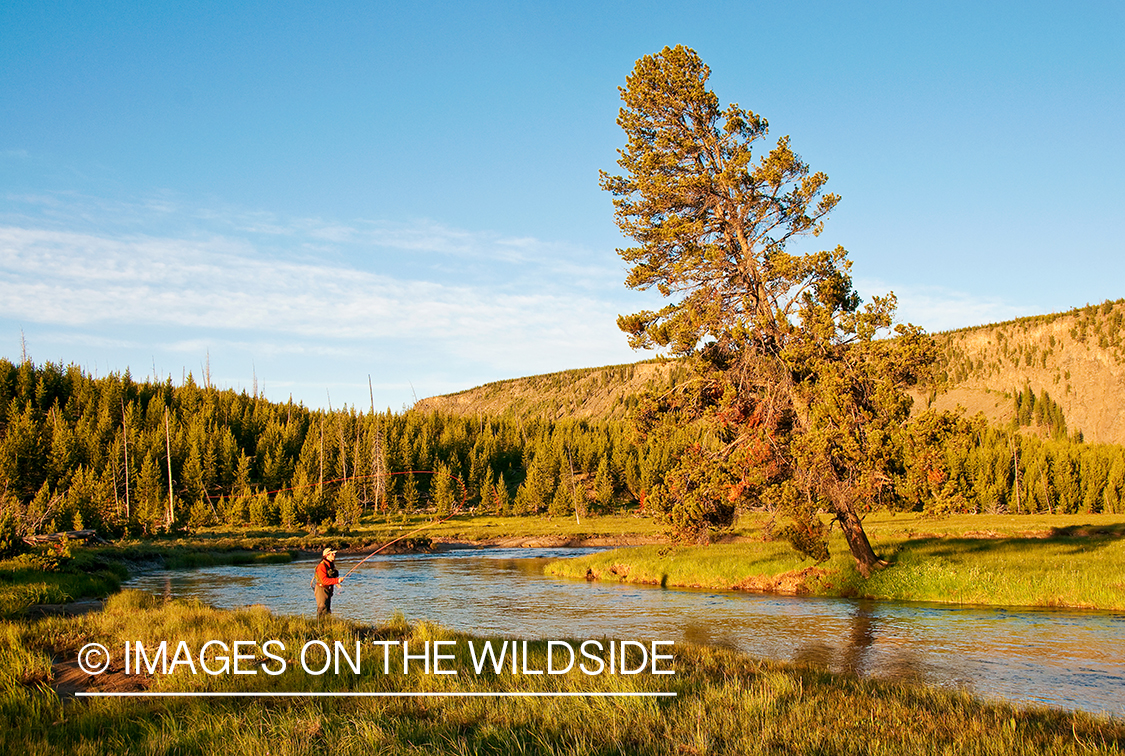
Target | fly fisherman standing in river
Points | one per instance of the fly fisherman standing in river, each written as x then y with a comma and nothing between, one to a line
324,582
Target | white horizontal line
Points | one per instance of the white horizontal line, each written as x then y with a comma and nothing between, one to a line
369,694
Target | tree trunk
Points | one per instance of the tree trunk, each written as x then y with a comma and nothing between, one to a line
865,560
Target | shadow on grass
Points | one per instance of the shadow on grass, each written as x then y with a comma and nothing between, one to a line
1075,539
1111,532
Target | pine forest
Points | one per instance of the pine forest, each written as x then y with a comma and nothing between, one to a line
128,457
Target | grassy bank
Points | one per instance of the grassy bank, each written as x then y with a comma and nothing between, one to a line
484,528
62,573
1011,560
469,527
24,584
726,703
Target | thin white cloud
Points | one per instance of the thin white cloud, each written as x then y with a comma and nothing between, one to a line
936,308
89,281
167,215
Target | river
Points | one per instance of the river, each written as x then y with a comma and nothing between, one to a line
1066,659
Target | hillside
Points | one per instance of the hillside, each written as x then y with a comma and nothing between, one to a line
1076,357
603,393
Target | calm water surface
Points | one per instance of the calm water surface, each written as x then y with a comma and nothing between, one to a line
1068,659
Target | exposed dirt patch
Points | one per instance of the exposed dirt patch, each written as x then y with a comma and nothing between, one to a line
981,534
792,583
69,679
620,570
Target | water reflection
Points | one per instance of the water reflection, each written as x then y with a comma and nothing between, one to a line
1069,659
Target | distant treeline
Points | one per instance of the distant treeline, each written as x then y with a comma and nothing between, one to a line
954,464
79,451
76,451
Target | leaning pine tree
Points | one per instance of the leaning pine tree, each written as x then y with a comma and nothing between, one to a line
805,402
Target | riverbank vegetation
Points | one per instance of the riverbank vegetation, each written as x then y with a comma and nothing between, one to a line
78,451
1075,561
63,572
53,577
725,702
1003,560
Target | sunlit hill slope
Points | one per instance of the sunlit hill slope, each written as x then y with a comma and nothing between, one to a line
1076,357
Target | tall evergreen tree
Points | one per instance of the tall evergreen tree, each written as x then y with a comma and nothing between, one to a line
603,484
503,498
444,491
790,372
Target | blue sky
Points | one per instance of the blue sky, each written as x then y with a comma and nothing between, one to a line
309,194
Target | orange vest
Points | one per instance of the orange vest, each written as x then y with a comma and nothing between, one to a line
322,578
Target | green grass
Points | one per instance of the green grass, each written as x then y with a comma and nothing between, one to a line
726,703
29,580
887,524
716,566
1064,561
483,527
375,530
1065,571
95,572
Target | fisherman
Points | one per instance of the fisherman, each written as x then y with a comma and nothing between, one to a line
324,582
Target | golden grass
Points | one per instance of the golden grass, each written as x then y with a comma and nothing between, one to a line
726,703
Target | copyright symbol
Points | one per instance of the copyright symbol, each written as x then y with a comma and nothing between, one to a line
93,659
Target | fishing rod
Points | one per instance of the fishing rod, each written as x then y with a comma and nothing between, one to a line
456,510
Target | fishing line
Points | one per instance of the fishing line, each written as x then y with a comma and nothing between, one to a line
456,510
